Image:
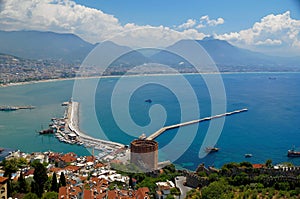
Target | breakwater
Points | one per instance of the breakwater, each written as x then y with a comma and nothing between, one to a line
162,130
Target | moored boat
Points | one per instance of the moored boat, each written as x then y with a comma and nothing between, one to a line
248,155
293,153
211,149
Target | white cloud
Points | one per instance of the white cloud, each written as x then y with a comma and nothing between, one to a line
269,42
280,30
90,24
210,22
188,24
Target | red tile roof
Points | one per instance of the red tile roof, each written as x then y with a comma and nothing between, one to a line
72,168
142,193
62,193
258,166
90,158
3,180
111,194
29,172
69,157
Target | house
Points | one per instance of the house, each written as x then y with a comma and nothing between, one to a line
164,189
3,187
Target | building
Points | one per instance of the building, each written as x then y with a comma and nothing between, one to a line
144,154
3,187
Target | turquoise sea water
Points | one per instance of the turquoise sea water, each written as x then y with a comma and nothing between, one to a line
267,130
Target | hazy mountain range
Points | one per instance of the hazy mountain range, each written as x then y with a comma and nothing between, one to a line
71,48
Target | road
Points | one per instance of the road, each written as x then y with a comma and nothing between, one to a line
179,180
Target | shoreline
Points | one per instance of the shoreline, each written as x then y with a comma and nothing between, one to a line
72,123
138,75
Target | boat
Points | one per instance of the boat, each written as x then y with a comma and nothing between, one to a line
293,153
46,131
211,149
8,108
248,155
148,100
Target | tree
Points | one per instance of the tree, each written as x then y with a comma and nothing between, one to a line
269,163
54,185
174,191
22,183
31,196
215,190
50,195
40,177
9,167
62,180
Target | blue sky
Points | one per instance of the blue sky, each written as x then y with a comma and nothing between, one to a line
269,26
238,14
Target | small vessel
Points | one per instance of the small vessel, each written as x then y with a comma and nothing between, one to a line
46,131
148,100
248,155
293,153
211,149
8,108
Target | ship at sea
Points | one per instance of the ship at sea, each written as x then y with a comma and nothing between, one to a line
14,108
293,153
8,108
211,149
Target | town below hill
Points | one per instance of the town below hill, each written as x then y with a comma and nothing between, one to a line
55,175
34,55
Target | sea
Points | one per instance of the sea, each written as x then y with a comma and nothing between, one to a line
121,112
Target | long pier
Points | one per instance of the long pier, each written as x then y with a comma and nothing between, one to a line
162,130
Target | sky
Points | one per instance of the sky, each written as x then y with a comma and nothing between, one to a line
268,26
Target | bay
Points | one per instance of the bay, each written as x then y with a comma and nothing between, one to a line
267,130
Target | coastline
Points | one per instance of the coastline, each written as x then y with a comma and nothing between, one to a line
72,123
139,75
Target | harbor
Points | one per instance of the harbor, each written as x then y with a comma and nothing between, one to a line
66,129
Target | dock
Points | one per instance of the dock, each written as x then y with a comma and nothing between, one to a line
66,129
162,130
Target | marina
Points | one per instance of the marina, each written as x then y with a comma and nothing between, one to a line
67,130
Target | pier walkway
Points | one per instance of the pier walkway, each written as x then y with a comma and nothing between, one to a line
162,130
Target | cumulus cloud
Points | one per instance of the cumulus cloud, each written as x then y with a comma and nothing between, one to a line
90,24
205,20
269,42
279,30
188,24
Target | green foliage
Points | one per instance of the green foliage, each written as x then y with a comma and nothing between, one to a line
31,196
215,190
170,196
202,174
10,166
246,164
213,177
269,163
241,178
22,184
282,186
40,177
175,191
50,195
62,180
54,184
193,194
